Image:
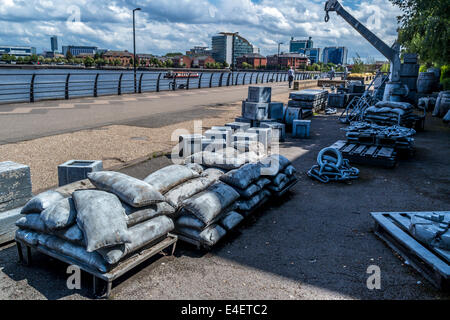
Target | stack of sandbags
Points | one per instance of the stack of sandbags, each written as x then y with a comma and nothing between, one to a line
390,113
250,185
208,215
226,159
97,228
280,172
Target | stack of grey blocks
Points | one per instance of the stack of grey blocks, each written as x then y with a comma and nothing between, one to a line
15,191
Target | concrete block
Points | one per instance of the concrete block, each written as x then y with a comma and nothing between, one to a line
214,145
276,110
219,135
15,185
248,146
242,119
264,135
190,144
259,94
238,126
301,128
77,170
255,110
278,130
7,224
244,136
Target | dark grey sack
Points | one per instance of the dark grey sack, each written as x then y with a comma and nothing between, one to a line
135,192
189,221
166,178
141,235
273,164
231,220
60,215
209,236
41,202
72,234
91,259
207,205
241,178
139,215
249,205
262,182
32,221
249,192
195,167
290,170
188,189
102,219
279,179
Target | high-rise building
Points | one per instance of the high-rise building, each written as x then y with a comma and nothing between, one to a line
313,54
226,47
336,55
199,51
296,45
54,43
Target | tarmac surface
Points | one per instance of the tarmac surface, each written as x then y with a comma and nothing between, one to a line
314,243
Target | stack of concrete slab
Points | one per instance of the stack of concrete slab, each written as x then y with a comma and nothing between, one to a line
308,101
15,191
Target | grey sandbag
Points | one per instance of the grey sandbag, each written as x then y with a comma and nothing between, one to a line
208,204
91,259
166,178
231,220
27,236
249,192
102,219
290,170
282,185
138,215
279,179
141,235
72,234
241,178
195,167
251,204
32,221
189,188
60,215
41,202
262,182
432,229
215,173
135,192
209,236
273,164
189,221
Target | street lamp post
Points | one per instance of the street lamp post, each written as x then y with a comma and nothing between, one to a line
278,56
134,47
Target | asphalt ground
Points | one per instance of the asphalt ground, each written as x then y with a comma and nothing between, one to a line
314,243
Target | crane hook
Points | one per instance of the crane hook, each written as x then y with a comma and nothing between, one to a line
327,17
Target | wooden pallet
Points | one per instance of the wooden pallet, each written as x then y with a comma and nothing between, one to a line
118,271
432,263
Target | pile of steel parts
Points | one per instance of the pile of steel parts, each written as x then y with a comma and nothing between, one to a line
331,166
397,137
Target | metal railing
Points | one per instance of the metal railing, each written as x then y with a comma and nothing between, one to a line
31,87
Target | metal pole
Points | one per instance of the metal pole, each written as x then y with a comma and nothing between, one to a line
134,48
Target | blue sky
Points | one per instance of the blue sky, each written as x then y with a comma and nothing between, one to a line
177,25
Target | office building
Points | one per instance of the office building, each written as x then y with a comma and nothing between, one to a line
17,51
226,47
296,45
336,55
313,54
76,50
54,43
287,60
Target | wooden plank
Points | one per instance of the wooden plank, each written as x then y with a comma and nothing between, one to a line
411,244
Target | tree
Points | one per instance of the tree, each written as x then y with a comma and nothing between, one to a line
358,65
225,64
69,55
169,63
173,54
425,29
88,61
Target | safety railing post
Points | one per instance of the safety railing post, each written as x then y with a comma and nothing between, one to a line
257,75
237,78
66,90
188,80
200,80
220,80
174,84
210,79
96,85
33,77
140,82
157,82
251,78
119,86
228,79
243,79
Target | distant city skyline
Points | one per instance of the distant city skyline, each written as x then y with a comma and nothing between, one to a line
160,29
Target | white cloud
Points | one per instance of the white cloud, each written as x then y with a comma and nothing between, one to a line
168,25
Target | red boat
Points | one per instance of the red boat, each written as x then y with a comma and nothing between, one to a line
181,75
